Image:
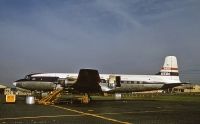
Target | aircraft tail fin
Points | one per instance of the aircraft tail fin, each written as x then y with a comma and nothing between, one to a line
170,67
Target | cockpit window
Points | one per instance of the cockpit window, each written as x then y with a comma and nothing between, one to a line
27,77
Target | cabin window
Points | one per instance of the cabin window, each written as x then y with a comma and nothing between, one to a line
125,82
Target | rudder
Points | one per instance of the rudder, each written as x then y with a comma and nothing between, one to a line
170,67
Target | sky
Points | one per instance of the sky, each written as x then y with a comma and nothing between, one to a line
113,36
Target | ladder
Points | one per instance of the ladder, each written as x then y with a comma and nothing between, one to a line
49,99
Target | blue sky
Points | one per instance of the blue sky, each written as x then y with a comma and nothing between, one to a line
113,36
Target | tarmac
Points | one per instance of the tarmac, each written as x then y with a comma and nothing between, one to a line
103,112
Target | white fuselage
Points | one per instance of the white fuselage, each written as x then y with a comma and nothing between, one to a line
129,83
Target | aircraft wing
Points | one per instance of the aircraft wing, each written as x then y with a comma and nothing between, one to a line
87,82
172,85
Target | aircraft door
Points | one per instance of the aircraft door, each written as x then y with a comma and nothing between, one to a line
118,81
111,82
114,81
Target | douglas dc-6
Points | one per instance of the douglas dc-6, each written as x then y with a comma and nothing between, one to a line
168,77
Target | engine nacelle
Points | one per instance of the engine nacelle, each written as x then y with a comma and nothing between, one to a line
36,85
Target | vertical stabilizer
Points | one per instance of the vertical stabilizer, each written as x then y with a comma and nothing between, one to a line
170,67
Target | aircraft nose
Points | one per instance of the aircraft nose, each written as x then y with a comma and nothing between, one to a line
15,84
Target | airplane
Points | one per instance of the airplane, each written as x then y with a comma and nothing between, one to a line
168,77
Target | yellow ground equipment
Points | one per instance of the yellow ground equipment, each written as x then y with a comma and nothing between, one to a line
49,99
10,98
85,99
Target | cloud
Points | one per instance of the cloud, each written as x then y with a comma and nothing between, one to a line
112,35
